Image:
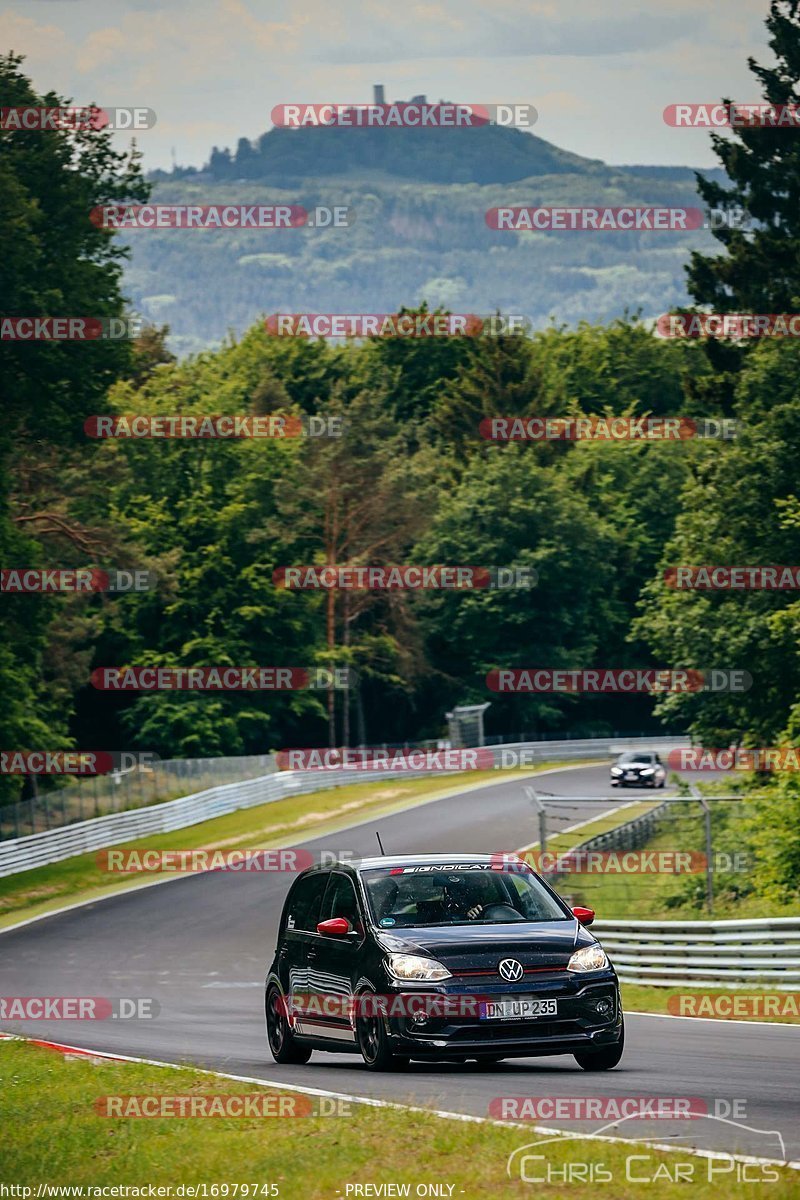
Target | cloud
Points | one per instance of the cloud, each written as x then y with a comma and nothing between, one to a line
213,69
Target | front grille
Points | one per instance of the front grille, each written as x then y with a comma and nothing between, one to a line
515,1031
492,972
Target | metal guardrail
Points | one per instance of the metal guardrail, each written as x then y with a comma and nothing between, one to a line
631,835
82,798
54,845
761,953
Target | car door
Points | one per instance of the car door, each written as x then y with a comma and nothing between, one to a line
334,961
297,935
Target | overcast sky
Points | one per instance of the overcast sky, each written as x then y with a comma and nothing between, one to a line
600,72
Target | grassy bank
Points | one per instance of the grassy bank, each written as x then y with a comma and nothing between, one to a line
52,1134
651,895
640,998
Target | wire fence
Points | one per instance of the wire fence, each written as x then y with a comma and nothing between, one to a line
675,855
81,798
52,803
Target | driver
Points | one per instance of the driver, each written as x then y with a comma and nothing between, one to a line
468,896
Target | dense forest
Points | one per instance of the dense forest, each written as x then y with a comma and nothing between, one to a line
411,481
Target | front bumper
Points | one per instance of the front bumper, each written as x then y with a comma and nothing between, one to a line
453,1029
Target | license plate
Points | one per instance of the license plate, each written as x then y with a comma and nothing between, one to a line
523,1008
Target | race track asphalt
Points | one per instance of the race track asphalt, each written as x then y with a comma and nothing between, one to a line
200,946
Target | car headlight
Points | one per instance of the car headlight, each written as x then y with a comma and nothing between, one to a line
647,770
415,966
590,958
616,770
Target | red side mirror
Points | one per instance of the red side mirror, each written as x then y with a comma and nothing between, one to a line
335,927
584,915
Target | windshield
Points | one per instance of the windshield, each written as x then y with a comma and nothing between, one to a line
635,758
468,895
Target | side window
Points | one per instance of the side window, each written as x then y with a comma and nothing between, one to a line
341,901
305,902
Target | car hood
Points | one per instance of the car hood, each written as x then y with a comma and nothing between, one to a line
638,764
474,948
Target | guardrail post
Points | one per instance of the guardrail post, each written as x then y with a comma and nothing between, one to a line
701,800
530,792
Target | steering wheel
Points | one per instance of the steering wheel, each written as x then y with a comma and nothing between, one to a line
502,912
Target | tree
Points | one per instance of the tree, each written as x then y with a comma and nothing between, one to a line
53,262
760,269
739,508
359,500
506,510
219,164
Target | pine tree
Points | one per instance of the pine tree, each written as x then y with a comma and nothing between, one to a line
760,269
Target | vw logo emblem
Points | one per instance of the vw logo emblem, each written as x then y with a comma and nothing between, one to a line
510,969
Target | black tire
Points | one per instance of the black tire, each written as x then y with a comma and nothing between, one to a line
282,1045
604,1059
374,1044
663,783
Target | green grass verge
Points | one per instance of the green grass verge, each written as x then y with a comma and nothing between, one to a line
620,896
283,823
52,1134
640,998
654,896
561,842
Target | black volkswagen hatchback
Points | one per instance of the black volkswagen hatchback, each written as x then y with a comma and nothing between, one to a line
439,957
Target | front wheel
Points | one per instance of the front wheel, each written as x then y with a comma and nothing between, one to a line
373,1041
603,1059
282,1045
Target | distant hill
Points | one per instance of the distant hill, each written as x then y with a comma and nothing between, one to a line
420,197
487,154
